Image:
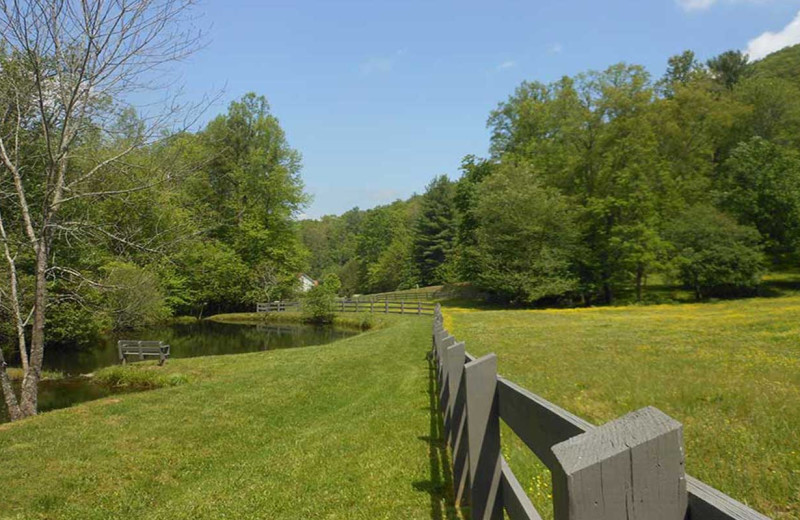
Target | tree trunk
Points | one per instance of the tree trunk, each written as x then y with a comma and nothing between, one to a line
639,281
10,398
30,383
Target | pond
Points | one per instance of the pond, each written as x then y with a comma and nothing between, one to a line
198,338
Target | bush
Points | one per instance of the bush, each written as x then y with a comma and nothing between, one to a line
319,302
142,377
134,299
715,256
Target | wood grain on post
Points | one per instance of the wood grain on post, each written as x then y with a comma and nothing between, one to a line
483,438
631,468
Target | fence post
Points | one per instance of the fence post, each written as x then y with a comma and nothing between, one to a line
341,302
402,306
632,467
483,438
419,307
356,305
386,306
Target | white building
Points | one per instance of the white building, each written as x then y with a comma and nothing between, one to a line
306,282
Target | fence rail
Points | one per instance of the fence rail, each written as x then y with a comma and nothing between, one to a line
632,467
419,308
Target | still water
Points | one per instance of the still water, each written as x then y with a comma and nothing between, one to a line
200,338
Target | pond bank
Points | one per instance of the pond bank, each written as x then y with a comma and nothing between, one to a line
359,322
320,432
65,385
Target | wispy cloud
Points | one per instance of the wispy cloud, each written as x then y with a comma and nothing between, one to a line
696,5
508,64
769,42
555,48
702,5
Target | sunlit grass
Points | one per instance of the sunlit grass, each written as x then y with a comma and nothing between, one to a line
336,431
730,372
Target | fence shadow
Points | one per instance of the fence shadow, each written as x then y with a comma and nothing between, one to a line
440,484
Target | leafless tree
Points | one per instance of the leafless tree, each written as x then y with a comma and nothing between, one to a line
68,67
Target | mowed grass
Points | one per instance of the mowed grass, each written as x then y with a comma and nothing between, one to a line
729,371
337,431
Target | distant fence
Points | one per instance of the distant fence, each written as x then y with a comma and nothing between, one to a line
404,296
379,306
631,468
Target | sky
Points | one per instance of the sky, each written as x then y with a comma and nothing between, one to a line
381,96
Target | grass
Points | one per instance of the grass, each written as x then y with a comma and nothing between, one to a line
729,371
16,374
139,376
342,430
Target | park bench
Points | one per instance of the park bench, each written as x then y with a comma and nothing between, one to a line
143,349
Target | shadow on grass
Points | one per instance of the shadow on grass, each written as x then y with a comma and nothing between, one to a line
440,484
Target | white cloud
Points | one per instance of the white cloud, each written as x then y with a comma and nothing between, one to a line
696,5
702,5
555,48
508,64
770,42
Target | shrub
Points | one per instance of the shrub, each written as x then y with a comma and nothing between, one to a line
142,377
715,256
134,299
319,301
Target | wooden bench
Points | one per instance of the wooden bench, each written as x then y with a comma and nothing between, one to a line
142,349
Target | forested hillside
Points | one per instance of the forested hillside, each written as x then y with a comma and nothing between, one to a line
195,223
596,183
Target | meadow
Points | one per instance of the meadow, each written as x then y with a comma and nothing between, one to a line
729,371
342,430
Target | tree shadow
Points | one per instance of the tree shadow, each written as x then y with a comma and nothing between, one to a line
440,484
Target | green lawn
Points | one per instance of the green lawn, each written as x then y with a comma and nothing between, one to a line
729,371
337,431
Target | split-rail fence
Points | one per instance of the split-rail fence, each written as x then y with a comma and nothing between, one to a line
419,308
631,468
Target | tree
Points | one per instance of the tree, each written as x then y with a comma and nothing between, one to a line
760,186
713,255
525,254
65,66
435,231
729,68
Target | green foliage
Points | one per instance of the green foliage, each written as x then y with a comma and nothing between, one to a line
729,68
319,302
435,232
526,238
133,299
760,186
73,323
715,256
213,276
139,376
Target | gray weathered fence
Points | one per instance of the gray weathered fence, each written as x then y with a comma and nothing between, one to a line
631,468
278,306
419,308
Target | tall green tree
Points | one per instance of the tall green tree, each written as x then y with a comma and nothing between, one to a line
435,233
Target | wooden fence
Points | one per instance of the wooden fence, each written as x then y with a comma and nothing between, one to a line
631,468
381,306
402,296
278,306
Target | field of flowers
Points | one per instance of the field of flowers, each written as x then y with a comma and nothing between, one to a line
729,371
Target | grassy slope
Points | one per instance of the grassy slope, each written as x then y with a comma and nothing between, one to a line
729,371
337,431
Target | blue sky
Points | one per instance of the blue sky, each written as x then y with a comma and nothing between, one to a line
380,96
